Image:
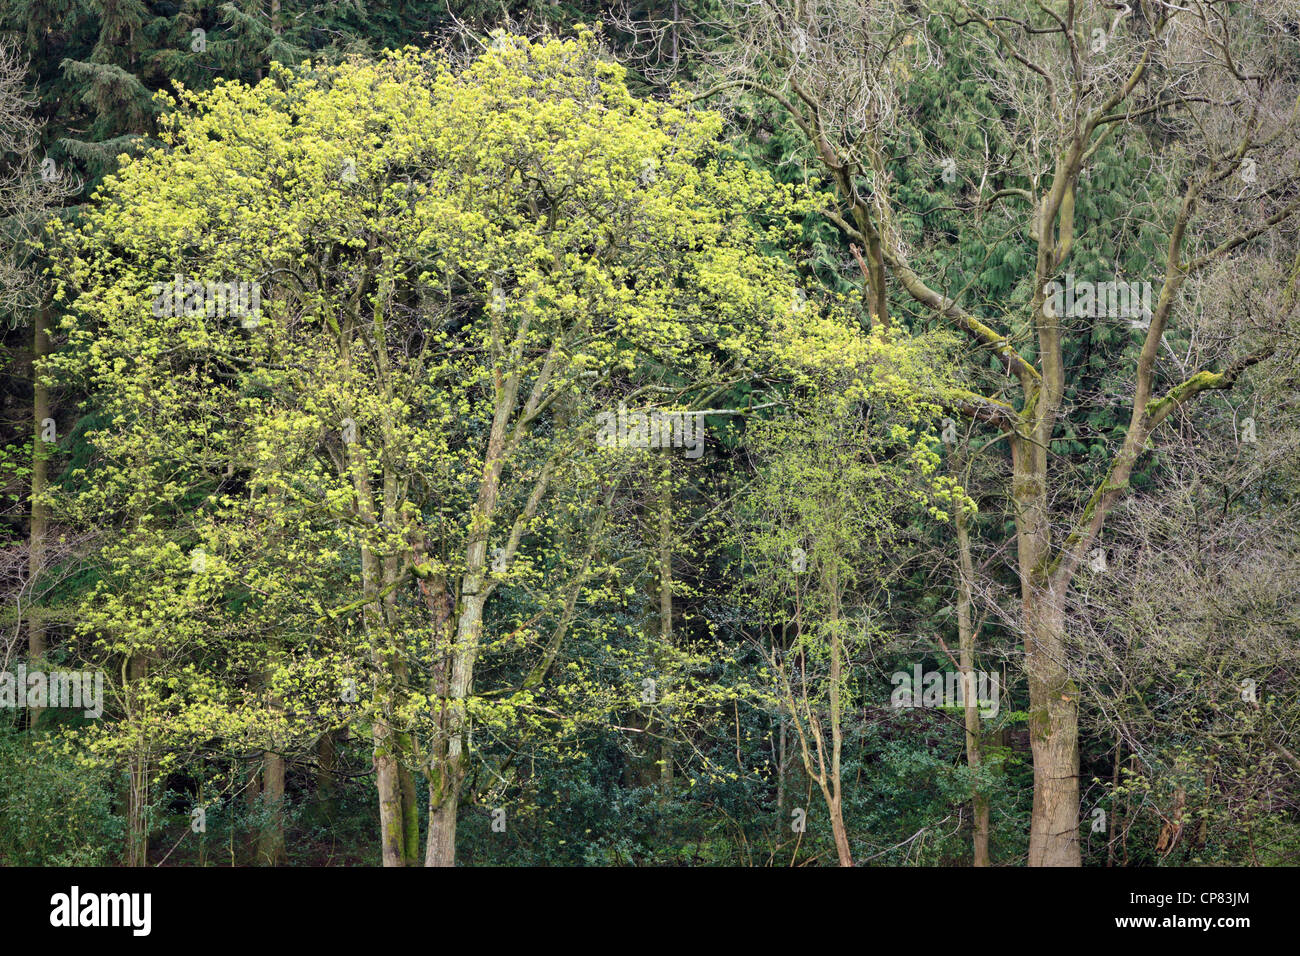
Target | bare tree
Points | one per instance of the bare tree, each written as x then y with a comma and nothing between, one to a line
30,185
1209,86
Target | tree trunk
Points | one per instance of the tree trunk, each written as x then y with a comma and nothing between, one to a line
448,760
447,769
444,801
1053,735
966,641
326,787
834,799
402,743
137,802
270,850
440,845
410,809
40,513
387,746
386,758
252,801
270,837
390,796
137,785
780,768
666,620
1053,698
841,834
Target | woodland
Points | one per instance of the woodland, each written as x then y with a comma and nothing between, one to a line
673,433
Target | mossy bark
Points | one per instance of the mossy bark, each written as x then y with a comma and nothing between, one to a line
1053,697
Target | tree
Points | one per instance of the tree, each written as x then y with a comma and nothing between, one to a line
456,270
835,481
30,186
1198,84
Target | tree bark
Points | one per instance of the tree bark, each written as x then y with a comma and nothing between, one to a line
447,770
41,449
1053,734
137,785
440,845
666,620
270,832
448,760
835,795
410,809
386,744
966,652
270,838
1053,697
387,754
780,768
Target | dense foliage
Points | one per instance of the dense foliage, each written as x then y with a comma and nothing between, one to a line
478,434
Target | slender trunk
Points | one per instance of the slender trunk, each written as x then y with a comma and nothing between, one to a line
252,839
1114,818
252,802
137,810
440,846
386,745
401,740
835,796
326,788
41,450
448,761
388,784
666,619
386,741
808,724
966,641
137,785
270,832
402,743
841,834
447,770
137,803
780,767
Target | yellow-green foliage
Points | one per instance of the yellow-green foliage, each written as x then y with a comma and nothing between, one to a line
422,237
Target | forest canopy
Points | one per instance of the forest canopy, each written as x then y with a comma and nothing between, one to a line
856,433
